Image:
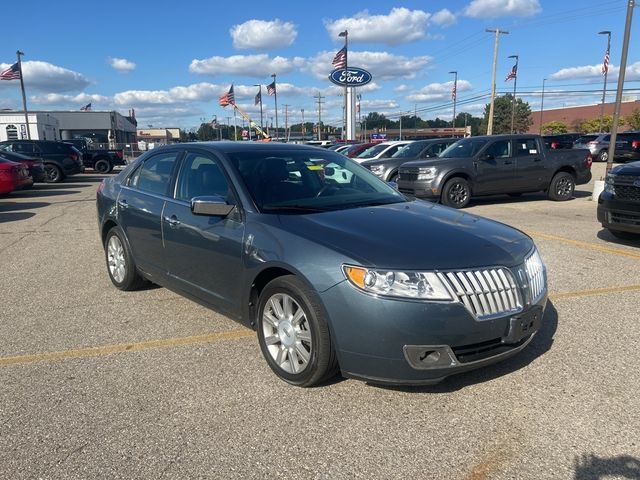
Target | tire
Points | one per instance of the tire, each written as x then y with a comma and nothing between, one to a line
624,235
561,187
102,166
52,173
603,156
456,193
120,263
293,333
393,177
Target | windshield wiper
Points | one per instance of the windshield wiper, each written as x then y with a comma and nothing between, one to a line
296,207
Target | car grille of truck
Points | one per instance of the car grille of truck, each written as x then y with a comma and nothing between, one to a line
627,192
625,219
408,176
485,293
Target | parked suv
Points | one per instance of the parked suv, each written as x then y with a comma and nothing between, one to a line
60,159
627,146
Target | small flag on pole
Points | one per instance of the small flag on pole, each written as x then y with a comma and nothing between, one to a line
258,98
228,98
86,108
605,63
340,60
11,73
271,88
512,74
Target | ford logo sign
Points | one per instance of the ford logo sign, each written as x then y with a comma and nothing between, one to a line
351,77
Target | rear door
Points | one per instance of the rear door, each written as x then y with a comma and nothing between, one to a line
204,252
495,168
531,171
140,204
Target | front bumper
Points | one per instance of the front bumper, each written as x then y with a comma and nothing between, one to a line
412,342
615,214
421,189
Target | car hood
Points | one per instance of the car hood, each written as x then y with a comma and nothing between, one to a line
632,168
413,235
431,162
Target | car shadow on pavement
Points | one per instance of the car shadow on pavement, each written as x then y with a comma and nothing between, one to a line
56,186
524,198
14,217
607,236
592,467
88,178
13,206
540,344
42,193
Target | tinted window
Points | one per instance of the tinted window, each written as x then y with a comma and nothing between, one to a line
410,150
201,176
523,147
23,147
437,148
154,175
373,151
499,149
467,147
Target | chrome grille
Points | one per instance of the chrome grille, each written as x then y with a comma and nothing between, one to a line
485,293
535,276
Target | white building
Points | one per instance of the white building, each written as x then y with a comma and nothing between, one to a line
42,126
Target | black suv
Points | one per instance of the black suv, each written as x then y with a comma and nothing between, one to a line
560,140
619,203
60,159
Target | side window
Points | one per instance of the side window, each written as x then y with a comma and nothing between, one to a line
437,148
499,149
23,147
523,147
201,176
154,175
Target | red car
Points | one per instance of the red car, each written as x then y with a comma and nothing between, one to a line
33,164
354,150
13,176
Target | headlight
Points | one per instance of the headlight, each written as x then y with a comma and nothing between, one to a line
399,284
426,173
608,183
377,170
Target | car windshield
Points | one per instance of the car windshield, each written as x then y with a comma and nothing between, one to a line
309,181
373,151
410,150
467,147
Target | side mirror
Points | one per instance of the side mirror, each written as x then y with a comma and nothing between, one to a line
214,205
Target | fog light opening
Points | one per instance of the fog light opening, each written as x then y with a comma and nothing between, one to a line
429,356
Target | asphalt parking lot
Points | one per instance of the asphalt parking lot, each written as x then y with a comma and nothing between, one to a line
98,383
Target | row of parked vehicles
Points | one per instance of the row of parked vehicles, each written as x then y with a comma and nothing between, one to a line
627,144
25,162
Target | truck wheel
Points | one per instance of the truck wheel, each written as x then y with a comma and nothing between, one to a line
561,187
52,173
603,156
102,166
456,193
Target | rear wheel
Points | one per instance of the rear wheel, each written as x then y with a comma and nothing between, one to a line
120,263
52,173
293,333
102,166
562,187
456,193
603,156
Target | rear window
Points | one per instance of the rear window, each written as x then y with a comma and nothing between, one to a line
586,138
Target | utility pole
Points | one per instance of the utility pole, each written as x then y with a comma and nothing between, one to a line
400,133
454,96
497,31
605,71
286,121
623,67
320,102
415,120
304,130
542,104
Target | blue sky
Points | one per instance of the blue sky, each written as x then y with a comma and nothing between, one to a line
172,60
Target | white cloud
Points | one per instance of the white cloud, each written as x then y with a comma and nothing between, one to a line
80,99
401,88
401,25
382,65
594,72
249,65
122,65
502,8
198,92
443,18
438,92
45,77
263,35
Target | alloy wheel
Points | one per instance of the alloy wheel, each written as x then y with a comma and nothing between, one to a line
458,194
116,260
565,187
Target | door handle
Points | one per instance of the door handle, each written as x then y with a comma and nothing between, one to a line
172,221
123,204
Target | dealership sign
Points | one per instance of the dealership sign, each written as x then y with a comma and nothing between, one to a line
351,77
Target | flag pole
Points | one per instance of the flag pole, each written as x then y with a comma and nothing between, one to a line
513,100
24,97
275,98
345,34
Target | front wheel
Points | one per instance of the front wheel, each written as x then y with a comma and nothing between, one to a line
456,193
120,263
293,333
562,187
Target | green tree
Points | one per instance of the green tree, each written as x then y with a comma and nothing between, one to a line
206,132
464,118
596,125
378,120
502,115
633,119
554,127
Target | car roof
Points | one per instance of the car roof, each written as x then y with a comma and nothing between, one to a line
226,146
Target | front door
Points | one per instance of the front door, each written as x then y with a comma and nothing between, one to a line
531,174
204,253
495,169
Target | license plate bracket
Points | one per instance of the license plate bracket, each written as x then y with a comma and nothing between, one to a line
523,325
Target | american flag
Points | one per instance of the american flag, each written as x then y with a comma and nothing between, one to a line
605,63
512,74
228,98
453,92
11,73
86,108
258,98
340,60
271,88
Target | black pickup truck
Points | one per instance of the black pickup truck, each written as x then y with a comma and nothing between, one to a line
100,160
619,203
496,164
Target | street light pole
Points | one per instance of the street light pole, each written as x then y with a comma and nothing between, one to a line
454,94
605,71
513,100
497,31
542,104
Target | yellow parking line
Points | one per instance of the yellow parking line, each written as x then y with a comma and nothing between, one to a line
587,245
595,291
126,347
